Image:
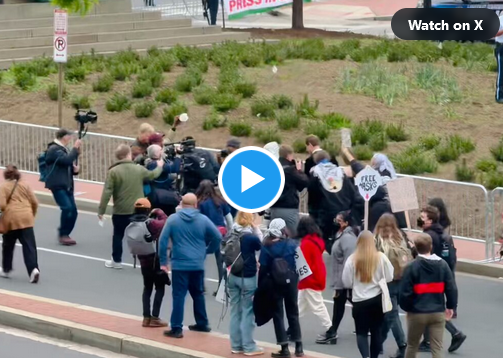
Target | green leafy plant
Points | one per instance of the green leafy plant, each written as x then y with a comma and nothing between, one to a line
153,75
430,142
25,80
188,80
396,133
267,135
172,111
413,161
360,134
464,173
251,56
282,101
118,103
123,71
331,147
103,84
445,153
81,102
240,129
362,152
166,61
144,109
299,146
308,109
464,145
245,88
53,92
319,129
336,120
378,142
204,94
214,120
493,180
142,89
287,119
486,165
497,151
167,95
224,102
76,74
264,108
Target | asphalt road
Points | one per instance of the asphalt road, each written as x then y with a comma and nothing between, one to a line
77,275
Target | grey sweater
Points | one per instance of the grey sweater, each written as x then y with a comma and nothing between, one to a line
343,247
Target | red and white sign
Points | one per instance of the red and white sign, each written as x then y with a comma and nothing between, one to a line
60,35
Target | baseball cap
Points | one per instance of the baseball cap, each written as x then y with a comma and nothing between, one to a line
142,203
63,132
233,143
156,138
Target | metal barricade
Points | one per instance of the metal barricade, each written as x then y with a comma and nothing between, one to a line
496,221
190,8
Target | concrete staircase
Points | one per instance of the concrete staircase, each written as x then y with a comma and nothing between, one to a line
26,31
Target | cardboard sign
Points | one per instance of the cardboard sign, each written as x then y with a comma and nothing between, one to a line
402,194
368,181
303,269
346,137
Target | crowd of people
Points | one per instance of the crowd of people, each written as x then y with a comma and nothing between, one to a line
167,207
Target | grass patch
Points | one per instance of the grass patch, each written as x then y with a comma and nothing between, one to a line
77,74
464,173
172,111
53,92
306,108
287,119
188,80
25,80
204,94
224,102
81,102
396,132
360,134
167,95
486,165
493,180
453,147
362,152
153,75
240,129
144,109
118,103
142,89
336,120
282,101
245,88
413,161
319,129
123,71
331,147
103,84
443,88
430,142
264,108
267,135
497,151
378,142
214,120
299,146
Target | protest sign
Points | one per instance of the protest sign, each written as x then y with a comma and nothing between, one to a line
346,137
403,196
303,269
368,181
236,9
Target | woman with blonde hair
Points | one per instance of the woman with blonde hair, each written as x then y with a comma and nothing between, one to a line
393,243
362,272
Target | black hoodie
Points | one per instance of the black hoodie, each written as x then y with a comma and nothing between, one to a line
436,231
427,286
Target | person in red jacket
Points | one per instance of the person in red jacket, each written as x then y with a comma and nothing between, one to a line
312,287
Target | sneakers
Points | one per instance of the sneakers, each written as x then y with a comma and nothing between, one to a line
255,352
35,276
457,340
196,328
67,241
174,333
424,347
3,273
237,351
157,323
112,264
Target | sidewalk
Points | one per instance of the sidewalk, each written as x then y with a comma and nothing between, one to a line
110,330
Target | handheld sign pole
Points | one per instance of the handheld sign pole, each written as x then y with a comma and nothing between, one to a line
368,181
60,54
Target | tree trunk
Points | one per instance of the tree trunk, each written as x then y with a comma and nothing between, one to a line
298,14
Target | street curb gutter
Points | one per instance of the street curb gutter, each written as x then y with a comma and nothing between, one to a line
94,337
476,268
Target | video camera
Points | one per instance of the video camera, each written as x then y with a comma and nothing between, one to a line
83,118
179,148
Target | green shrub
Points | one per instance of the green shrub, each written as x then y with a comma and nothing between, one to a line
25,80
77,74
153,75
154,51
319,129
204,94
378,142
53,92
331,147
125,56
412,161
336,120
360,134
374,126
81,102
251,56
464,173
224,102
142,89
486,165
267,135
245,88
172,111
430,142
493,180
282,101
240,129
446,153
362,152
263,108
166,61
214,120
287,119
200,65
396,133
144,109
299,146
188,80
308,109
118,103
183,54
399,52
442,86
167,95
103,84
123,71
497,151
1,76
464,145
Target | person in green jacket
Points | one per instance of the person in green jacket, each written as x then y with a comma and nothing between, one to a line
124,184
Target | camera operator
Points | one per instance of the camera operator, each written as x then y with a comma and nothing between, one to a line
198,165
163,194
233,144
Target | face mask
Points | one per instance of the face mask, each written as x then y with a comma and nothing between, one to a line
337,226
420,222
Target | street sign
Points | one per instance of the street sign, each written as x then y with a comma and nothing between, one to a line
368,181
60,36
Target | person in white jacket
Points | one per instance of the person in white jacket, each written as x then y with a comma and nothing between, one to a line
362,272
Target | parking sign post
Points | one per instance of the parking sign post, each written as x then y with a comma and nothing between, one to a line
60,54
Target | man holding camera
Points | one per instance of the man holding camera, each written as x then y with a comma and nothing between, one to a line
233,144
63,167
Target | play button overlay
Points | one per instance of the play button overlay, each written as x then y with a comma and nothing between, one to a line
251,179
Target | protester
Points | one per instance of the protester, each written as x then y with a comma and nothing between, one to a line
124,183
162,192
362,272
391,242
287,206
212,205
192,236
156,139
61,163
445,222
311,288
273,148
149,229
242,286
334,191
383,165
498,39
233,144
278,288
344,246
428,294
147,136
213,7
18,205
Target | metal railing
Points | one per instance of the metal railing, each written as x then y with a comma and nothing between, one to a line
189,8
471,208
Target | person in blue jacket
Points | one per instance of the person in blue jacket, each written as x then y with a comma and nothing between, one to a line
192,236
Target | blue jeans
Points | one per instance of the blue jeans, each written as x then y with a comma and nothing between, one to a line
242,325
120,223
192,281
392,318
66,202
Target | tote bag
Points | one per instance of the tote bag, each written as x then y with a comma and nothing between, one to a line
387,305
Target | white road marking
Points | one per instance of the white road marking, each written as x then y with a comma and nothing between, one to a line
62,344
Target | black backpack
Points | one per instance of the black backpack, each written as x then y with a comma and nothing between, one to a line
281,272
198,163
231,252
449,252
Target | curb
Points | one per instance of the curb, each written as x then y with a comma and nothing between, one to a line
476,268
82,204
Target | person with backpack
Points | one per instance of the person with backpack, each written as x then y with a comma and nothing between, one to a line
278,274
59,167
365,272
142,236
124,183
428,294
344,246
443,247
391,242
239,254
311,288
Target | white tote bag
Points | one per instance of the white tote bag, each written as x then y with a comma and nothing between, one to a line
387,305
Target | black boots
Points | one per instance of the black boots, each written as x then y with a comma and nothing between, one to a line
299,351
327,338
283,353
400,353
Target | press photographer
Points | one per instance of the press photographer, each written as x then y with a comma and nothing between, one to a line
232,145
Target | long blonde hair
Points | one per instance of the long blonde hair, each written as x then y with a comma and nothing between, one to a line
366,257
387,230
245,219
